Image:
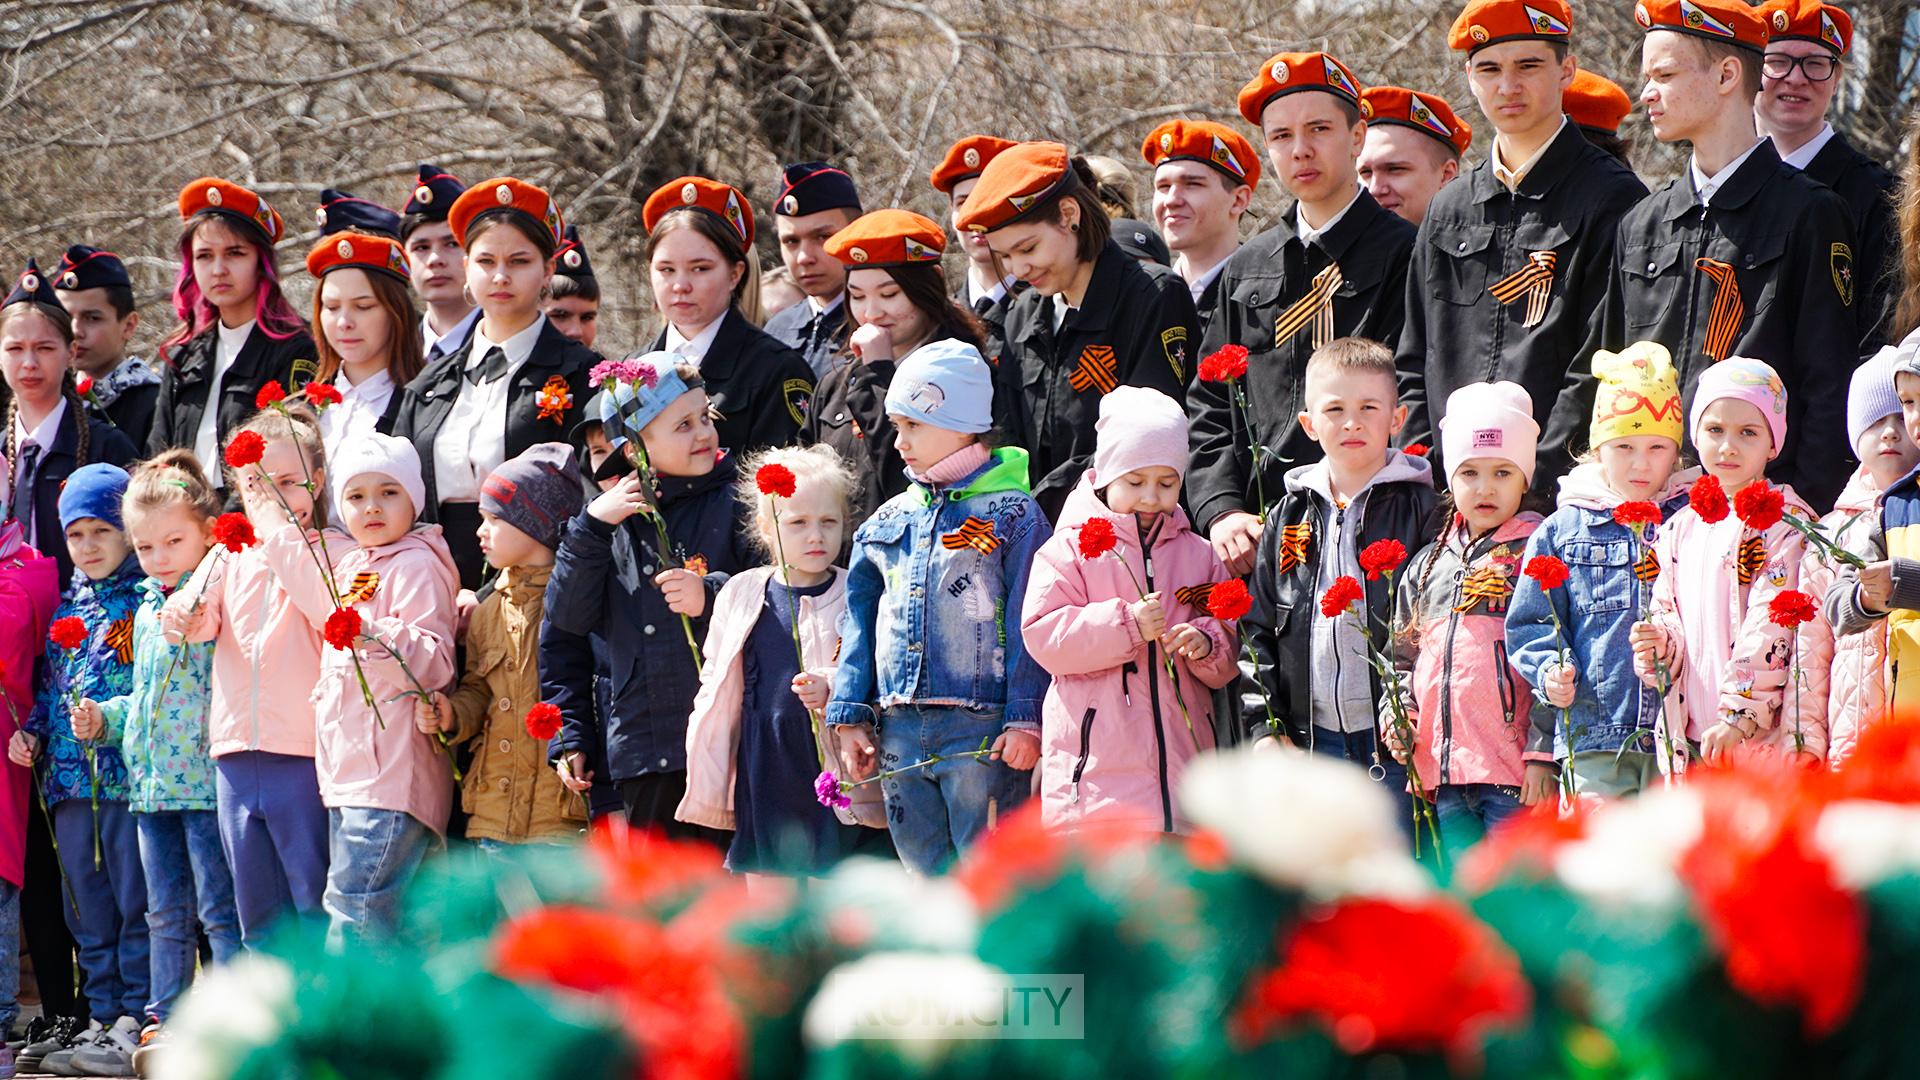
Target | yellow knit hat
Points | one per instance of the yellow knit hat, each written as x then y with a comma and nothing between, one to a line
1638,394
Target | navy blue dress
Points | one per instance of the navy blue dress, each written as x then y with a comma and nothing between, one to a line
779,825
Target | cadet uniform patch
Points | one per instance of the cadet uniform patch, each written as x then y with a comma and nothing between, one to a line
799,395
1173,342
1840,261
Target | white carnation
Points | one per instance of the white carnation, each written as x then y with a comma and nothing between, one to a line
921,1003
1632,849
231,1010
1869,842
878,900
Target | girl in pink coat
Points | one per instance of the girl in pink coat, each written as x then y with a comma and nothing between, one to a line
29,591
387,784
1728,661
1116,732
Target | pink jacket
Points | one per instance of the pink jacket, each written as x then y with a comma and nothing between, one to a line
381,762
262,645
1843,682
1112,742
1450,623
713,730
1711,597
29,591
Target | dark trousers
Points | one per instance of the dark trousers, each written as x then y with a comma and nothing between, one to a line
651,800
43,911
460,523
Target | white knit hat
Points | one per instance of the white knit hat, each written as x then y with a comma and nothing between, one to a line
377,453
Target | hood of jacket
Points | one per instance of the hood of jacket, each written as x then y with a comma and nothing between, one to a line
1084,504
423,538
1400,467
1005,470
1586,487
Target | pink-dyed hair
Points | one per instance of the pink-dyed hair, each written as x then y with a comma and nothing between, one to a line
196,313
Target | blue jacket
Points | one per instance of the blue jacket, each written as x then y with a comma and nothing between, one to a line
101,668
934,592
603,584
1597,608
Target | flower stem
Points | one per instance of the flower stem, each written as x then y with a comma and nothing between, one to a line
418,691
1566,712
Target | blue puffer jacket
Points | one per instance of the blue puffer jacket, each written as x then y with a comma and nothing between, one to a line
99,669
1612,709
603,584
934,592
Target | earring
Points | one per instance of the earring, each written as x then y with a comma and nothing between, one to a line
1075,227
466,294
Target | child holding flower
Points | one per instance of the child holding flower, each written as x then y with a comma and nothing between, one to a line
1116,731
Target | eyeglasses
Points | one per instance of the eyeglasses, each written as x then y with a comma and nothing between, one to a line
1816,68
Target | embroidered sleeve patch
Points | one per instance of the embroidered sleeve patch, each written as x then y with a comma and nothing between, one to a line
1840,261
1295,540
361,588
1173,342
1095,370
976,533
799,396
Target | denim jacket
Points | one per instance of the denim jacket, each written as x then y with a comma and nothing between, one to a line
163,741
934,592
1599,604
99,669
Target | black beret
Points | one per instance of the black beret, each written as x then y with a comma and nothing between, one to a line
808,187
84,267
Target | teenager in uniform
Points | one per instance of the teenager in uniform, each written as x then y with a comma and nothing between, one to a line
437,264
94,288
363,317
706,285
816,200
573,296
237,332
1333,266
1092,318
516,381
1413,148
1740,255
1807,45
1203,179
988,289
1597,105
1511,265
897,301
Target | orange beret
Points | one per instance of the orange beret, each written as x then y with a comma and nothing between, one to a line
1729,21
1490,22
359,251
1595,101
505,193
966,159
1289,73
1809,20
1207,143
1425,113
700,193
1018,179
889,238
210,195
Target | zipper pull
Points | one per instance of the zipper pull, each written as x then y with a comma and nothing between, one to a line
1126,691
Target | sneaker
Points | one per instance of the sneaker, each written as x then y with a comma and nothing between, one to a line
153,1040
111,1052
59,1062
44,1037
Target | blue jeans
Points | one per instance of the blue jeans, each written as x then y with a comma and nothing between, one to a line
9,953
936,812
1468,812
274,830
108,913
372,856
187,878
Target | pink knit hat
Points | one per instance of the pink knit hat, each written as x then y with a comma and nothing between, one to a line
1742,379
1490,420
1137,428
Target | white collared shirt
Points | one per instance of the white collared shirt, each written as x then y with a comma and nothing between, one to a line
361,406
694,348
448,341
818,310
473,440
1513,178
1706,186
1198,285
992,296
1810,149
1309,234
206,437
43,435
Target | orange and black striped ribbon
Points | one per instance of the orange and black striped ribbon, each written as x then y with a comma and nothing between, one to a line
1095,368
364,585
1293,545
1316,308
1486,585
1194,596
1533,281
1753,556
976,533
1648,567
120,638
1723,322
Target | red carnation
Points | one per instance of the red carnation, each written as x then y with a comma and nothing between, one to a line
84,386
343,628
271,394
1382,557
1097,538
234,532
1550,572
1760,506
1225,365
1632,514
1708,499
543,721
1387,975
1418,449
1790,608
775,480
245,449
1229,600
320,395
69,633
1340,596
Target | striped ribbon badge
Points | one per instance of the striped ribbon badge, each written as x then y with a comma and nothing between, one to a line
1723,322
1316,307
1533,281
